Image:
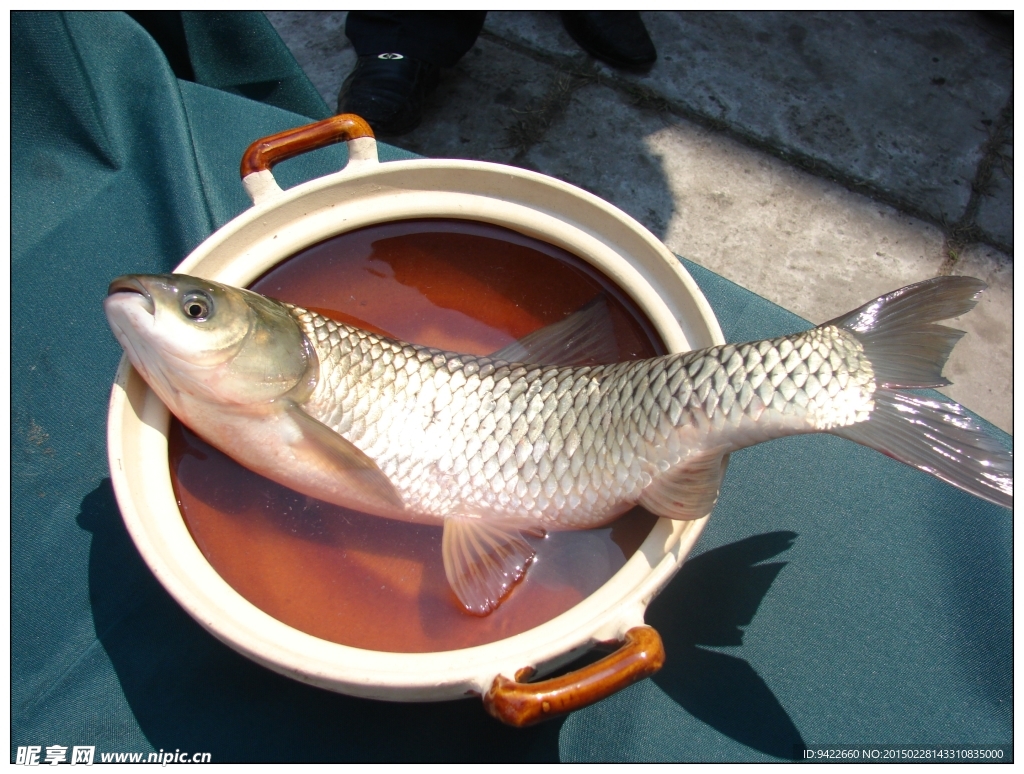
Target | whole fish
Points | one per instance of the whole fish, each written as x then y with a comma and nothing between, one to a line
491,447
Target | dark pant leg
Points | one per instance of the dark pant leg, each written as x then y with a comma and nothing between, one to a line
438,37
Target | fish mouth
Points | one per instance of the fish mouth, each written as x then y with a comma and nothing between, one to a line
131,284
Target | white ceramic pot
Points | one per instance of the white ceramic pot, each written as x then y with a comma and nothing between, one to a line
365,192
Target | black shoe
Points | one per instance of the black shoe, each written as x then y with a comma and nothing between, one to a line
616,37
388,90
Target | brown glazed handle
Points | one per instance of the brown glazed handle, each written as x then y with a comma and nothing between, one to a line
523,704
264,154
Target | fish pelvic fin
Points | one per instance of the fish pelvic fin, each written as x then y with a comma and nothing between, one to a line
359,474
688,491
583,338
483,561
905,347
907,350
939,438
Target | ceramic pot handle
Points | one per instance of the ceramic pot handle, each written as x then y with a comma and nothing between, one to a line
522,704
263,154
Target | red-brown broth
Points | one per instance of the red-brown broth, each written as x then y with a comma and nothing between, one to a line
374,583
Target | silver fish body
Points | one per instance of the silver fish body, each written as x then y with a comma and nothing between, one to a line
564,447
490,446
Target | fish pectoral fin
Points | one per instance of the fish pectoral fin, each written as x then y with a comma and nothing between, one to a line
586,336
482,560
689,491
359,474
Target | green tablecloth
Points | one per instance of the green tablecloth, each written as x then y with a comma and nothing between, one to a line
836,597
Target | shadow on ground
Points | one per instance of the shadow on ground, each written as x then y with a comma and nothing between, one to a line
713,596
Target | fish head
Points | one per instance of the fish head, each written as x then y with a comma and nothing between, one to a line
192,338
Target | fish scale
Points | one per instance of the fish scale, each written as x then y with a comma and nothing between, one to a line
440,416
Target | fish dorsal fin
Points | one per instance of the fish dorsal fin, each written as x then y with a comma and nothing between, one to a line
358,473
689,491
584,337
482,560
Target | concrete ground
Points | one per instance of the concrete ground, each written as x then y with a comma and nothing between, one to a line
817,159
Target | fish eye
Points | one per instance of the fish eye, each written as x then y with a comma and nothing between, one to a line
197,306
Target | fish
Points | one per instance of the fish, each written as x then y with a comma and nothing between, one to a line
496,448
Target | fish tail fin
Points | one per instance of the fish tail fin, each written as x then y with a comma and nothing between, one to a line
940,438
907,350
